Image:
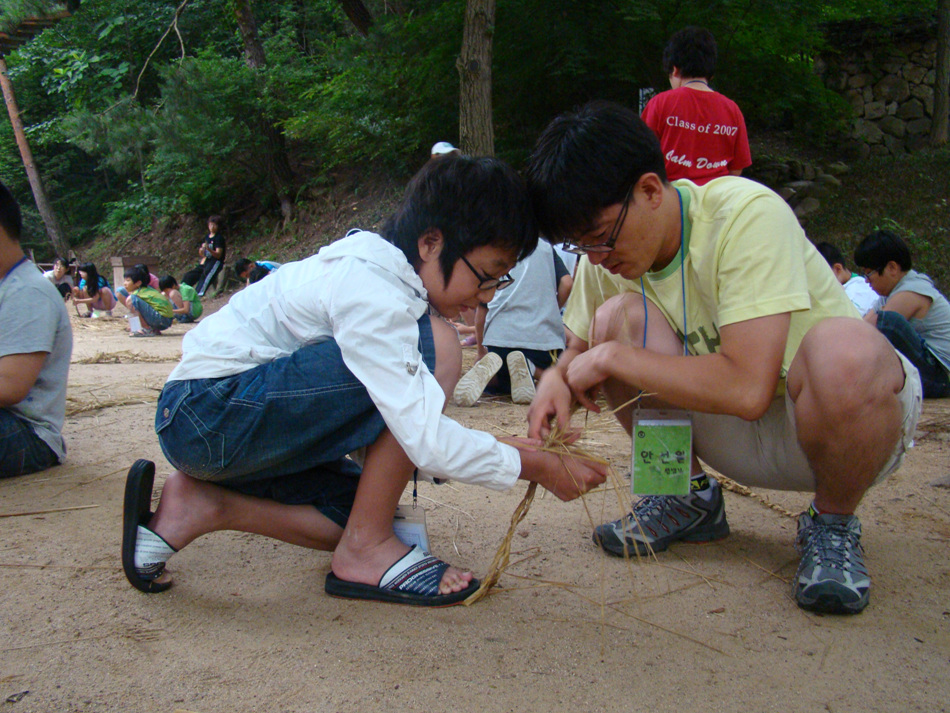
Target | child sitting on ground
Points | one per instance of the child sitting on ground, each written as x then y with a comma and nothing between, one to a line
122,294
345,351
146,303
93,291
186,305
60,277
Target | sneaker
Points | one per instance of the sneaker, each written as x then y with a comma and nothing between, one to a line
831,576
471,386
658,520
522,382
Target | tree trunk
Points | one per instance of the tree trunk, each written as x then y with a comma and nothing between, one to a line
476,130
938,128
358,14
275,152
60,244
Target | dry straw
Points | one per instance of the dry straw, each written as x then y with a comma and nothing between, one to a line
559,443
126,357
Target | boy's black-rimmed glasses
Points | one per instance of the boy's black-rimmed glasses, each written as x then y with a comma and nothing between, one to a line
487,282
614,233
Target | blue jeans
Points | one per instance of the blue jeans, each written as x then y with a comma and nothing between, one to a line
150,315
280,430
908,342
21,450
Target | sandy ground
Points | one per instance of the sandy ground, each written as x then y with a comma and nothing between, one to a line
247,626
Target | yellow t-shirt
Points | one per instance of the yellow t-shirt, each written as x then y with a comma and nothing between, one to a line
746,256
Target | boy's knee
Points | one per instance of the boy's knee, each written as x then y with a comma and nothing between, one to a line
448,355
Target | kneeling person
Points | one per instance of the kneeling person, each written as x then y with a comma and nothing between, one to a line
343,351
146,303
712,299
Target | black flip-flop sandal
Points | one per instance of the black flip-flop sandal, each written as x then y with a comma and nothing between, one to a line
413,579
137,510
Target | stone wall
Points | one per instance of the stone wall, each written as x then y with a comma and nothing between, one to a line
888,79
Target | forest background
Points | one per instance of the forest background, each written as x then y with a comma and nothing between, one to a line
298,119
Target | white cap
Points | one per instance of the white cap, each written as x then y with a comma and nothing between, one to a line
442,148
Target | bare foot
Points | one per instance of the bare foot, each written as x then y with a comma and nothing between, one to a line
368,564
188,509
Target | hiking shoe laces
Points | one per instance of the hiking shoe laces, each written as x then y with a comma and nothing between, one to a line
831,577
658,520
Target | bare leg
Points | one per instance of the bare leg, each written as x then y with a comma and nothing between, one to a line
621,319
363,552
190,508
368,546
844,382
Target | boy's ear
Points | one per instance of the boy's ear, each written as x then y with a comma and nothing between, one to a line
430,245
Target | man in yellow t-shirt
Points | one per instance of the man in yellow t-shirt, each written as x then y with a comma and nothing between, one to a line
711,299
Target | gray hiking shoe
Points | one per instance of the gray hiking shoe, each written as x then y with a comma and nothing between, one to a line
658,520
831,576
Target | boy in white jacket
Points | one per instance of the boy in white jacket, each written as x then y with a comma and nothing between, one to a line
342,351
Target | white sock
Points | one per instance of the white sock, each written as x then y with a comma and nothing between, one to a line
151,553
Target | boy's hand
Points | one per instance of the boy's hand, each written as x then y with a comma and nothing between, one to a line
567,476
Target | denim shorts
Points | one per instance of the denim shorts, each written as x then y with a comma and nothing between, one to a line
281,430
21,450
153,318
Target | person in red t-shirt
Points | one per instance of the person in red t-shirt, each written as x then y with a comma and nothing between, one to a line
702,133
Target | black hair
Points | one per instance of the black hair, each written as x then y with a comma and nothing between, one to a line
830,253
137,273
10,219
473,202
693,51
167,282
241,264
258,273
880,248
585,161
92,278
216,219
60,261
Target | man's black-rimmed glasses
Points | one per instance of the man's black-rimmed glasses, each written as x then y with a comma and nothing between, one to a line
605,247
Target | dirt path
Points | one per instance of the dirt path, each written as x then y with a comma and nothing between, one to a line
247,626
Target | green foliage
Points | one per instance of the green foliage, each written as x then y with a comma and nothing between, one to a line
374,105
126,129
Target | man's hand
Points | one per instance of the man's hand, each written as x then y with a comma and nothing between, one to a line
552,402
553,399
588,371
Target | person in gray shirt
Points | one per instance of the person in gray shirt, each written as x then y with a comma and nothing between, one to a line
912,313
36,342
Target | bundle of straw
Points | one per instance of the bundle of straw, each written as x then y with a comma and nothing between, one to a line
558,442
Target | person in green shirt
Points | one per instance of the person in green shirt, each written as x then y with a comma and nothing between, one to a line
186,304
147,303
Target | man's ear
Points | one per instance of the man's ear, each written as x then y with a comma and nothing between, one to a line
649,187
430,245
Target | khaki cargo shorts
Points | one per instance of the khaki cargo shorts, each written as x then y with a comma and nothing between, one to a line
766,454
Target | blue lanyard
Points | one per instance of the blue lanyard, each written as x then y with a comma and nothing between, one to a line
10,271
682,252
